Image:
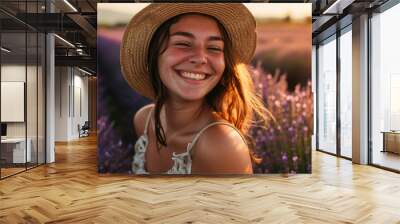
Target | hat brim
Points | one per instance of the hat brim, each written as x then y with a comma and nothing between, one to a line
237,20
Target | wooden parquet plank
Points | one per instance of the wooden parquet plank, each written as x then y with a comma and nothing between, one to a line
71,191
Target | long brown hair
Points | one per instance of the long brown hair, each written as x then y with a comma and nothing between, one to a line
233,98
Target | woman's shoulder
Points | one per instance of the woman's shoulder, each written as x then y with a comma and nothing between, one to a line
222,136
222,149
140,118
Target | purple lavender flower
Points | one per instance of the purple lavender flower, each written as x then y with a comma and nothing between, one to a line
284,157
289,136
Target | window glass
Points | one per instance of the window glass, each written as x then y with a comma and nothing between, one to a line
15,150
327,96
385,87
346,94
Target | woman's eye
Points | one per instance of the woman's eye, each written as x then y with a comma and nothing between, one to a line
182,44
215,49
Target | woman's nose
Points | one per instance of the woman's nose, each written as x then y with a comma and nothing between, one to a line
199,56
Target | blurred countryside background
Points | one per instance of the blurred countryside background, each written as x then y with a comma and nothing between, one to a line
281,70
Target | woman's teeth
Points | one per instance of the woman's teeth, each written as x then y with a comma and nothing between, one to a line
194,76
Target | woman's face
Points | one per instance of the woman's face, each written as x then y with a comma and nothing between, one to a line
193,61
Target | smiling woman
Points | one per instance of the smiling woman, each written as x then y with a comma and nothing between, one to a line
190,59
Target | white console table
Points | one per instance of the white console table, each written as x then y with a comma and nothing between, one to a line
18,149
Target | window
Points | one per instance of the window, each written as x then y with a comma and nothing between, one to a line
327,96
346,93
22,78
385,88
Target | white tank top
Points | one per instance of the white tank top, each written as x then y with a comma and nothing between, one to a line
182,161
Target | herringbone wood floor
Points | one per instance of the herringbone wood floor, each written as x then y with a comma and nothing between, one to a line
71,191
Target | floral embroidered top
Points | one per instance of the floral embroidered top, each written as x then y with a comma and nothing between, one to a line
182,161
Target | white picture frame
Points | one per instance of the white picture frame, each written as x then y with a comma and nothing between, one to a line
12,101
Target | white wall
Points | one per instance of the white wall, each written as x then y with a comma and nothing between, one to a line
61,103
71,102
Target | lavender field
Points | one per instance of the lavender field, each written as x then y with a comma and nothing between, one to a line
284,146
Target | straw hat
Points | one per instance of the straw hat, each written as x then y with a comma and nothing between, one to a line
235,17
